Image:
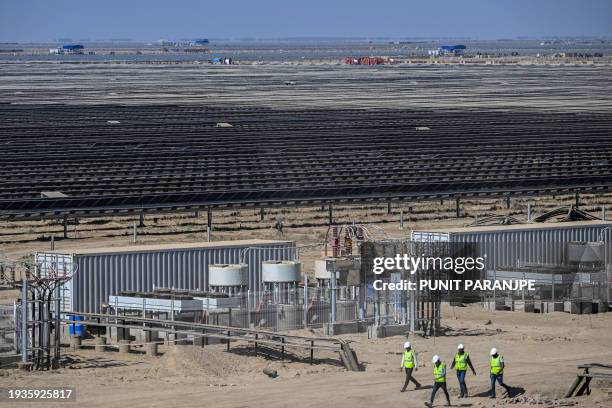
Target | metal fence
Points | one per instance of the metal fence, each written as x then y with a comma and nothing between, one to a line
562,292
292,309
8,341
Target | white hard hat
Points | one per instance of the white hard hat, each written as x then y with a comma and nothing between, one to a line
460,347
407,344
435,359
493,351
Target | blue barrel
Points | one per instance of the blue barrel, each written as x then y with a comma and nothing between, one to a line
76,329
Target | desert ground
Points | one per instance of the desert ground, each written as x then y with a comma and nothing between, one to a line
541,352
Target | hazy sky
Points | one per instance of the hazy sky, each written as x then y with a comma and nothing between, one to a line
147,20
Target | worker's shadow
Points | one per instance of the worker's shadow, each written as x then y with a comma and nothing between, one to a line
512,392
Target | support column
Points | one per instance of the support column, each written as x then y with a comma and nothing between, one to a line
507,202
528,212
577,200
389,208
141,223
261,214
209,225
196,214
457,207
65,227
330,213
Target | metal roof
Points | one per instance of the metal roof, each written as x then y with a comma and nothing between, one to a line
519,227
174,246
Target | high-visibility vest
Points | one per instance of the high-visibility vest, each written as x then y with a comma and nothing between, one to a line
440,373
409,358
496,365
461,361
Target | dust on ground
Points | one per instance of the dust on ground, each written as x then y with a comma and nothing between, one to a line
541,351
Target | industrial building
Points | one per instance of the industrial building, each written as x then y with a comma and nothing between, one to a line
448,50
98,273
569,261
68,49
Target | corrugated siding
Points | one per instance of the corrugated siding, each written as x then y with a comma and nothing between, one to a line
100,275
538,246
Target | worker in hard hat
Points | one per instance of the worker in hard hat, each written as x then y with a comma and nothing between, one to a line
461,362
439,380
409,364
497,371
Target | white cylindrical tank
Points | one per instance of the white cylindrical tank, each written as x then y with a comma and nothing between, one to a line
281,271
228,275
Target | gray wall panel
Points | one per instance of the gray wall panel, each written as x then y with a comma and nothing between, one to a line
100,275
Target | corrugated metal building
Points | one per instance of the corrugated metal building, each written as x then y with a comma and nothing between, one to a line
100,272
517,245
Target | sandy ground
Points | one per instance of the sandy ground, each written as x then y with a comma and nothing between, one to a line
541,352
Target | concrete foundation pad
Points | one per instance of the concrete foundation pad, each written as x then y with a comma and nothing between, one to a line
333,329
392,330
572,307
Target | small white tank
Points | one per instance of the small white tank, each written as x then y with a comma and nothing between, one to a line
228,275
281,271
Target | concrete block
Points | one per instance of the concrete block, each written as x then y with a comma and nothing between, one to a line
604,307
124,346
586,307
75,343
9,360
119,333
518,306
488,305
392,330
502,307
100,344
529,307
334,329
151,349
547,307
573,307
25,366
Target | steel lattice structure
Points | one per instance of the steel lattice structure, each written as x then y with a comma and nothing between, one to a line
164,158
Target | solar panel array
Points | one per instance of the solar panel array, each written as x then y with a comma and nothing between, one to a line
114,159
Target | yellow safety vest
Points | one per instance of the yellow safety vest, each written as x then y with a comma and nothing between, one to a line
461,361
409,359
440,373
496,365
